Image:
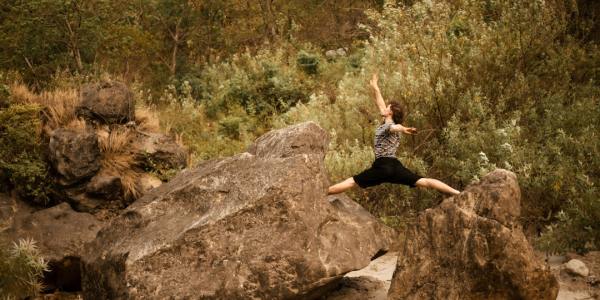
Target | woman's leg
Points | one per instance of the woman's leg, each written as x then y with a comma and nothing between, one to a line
341,186
436,184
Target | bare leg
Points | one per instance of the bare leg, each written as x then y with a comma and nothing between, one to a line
341,186
436,184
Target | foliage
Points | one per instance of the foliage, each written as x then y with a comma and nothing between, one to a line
160,40
22,163
21,269
229,104
489,84
309,63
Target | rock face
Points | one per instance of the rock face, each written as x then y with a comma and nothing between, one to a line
109,102
74,155
60,233
471,247
257,225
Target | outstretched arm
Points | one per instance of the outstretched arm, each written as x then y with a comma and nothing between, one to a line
402,129
383,110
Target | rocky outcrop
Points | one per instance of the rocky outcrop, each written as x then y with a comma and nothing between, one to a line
60,234
74,155
59,231
472,247
107,158
253,226
109,102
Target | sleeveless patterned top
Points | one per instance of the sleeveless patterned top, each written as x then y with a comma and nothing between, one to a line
386,141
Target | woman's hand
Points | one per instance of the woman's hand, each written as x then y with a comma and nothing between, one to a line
410,130
374,80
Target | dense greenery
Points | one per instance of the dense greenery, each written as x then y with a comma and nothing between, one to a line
497,83
489,86
22,163
159,40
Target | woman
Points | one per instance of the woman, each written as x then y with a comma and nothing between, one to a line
386,167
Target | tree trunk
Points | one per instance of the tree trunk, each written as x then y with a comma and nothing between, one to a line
269,20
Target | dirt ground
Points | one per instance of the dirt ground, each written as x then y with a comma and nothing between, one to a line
373,282
576,287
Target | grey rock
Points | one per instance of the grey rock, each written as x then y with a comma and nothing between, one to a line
105,186
253,226
554,260
472,247
59,230
160,153
331,54
577,267
147,182
59,233
565,294
74,155
8,209
108,102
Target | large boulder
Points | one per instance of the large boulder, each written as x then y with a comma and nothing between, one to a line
253,226
74,154
472,247
108,102
60,233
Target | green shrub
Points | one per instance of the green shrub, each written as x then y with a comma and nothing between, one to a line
231,103
262,84
230,127
4,96
21,269
309,63
21,156
577,227
483,95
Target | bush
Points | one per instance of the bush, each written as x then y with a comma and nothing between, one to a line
309,63
4,96
483,95
231,103
22,162
21,269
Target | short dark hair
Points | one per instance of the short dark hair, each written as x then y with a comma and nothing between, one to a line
398,111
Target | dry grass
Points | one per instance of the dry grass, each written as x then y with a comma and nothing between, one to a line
118,160
146,119
116,141
122,165
76,124
59,105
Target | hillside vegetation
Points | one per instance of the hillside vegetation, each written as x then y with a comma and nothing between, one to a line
498,83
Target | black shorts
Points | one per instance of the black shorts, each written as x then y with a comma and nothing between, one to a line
386,169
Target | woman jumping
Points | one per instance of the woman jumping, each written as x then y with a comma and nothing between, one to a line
386,167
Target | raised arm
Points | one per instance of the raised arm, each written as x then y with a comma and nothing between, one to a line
383,110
